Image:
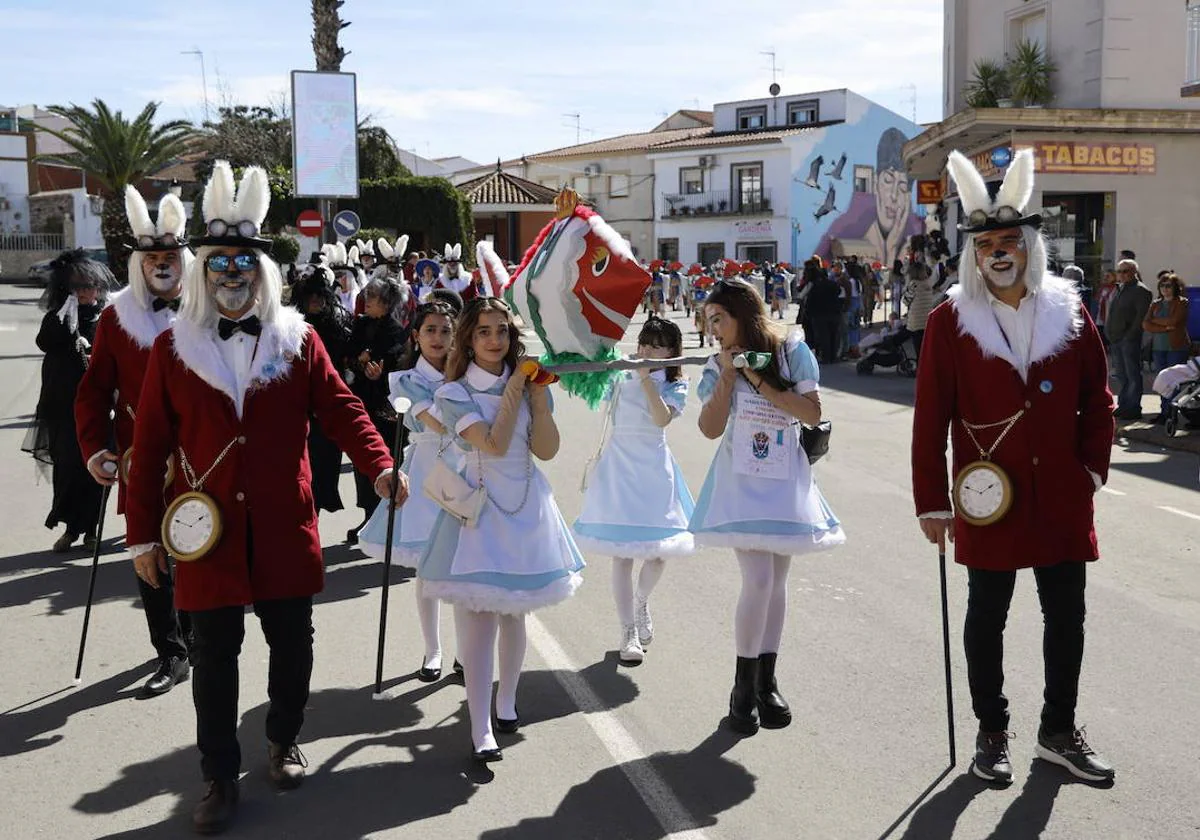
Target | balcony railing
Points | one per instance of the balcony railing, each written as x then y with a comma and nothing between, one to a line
717,203
1191,85
31,241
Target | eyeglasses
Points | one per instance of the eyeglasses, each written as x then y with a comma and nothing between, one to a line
242,262
245,228
151,241
1004,214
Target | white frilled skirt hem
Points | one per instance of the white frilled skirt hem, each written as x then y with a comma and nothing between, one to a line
675,546
401,556
776,544
481,597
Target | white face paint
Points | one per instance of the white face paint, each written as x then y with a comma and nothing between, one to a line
162,270
1001,256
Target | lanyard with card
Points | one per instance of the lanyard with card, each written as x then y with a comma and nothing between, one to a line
764,442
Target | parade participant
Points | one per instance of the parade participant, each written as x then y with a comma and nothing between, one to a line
422,372
73,300
453,276
349,279
315,298
759,497
427,271
518,555
1013,368
106,404
229,389
636,503
377,343
366,256
700,289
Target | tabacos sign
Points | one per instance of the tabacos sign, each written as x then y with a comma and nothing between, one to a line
1073,157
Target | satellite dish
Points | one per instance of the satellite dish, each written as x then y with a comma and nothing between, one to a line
774,89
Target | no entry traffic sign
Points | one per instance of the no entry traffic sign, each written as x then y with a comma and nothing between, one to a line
309,223
346,224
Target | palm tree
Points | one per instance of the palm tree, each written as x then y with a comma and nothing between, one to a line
117,152
326,26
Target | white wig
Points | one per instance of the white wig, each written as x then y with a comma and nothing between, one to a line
200,307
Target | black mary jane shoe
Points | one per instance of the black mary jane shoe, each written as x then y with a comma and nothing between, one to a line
508,726
428,675
487,756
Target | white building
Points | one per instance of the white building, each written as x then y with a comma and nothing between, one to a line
785,177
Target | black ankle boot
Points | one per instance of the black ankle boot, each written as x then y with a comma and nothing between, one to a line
743,708
772,708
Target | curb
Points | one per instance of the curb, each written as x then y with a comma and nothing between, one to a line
1157,436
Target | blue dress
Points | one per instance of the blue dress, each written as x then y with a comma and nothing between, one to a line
637,503
737,509
519,556
414,520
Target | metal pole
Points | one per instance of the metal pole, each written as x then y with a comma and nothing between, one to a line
87,610
946,654
387,560
627,364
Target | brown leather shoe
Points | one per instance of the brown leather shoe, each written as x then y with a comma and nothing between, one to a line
286,765
218,807
63,544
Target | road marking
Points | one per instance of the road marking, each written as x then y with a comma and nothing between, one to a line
1170,509
8,327
1111,491
621,745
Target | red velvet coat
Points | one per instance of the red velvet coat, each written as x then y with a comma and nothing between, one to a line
263,487
967,371
113,382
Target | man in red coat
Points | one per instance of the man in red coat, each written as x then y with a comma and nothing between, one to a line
107,398
1014,370
230,389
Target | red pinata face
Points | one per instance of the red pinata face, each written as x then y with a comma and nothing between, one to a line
609,288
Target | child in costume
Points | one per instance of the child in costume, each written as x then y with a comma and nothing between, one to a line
637,503
759,497
518,556
421,374
699,295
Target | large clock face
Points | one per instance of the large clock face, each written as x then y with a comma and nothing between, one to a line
981,492
190,527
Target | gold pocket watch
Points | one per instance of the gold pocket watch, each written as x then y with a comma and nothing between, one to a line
192,526
983,493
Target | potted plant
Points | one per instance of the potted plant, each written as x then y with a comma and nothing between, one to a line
988,86
766,205
722,205
1029,72
672,211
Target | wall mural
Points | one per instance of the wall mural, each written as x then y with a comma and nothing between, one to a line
850,193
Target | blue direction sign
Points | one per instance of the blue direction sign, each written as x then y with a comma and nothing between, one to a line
346,224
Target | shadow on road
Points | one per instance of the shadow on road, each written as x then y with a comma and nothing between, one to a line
1179,468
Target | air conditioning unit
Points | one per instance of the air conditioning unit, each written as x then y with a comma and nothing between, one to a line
591,170
708,161
96,203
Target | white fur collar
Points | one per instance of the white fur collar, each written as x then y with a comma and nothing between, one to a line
138,322
278,346
1057,321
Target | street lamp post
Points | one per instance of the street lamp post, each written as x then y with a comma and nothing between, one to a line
196,51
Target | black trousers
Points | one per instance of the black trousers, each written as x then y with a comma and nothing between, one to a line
825,336
1061,592
287,626
169,630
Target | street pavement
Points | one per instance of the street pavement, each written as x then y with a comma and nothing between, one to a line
614,752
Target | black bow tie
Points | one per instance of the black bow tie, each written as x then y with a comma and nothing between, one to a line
160,304
227,326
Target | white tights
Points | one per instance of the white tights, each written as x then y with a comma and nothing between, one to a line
477,635
429,610
622,583
762,605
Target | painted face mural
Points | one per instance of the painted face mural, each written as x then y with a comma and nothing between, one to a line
891,200
581,287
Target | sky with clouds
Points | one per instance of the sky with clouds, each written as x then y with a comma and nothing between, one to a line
484,80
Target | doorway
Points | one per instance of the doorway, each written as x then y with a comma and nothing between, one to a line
1073,224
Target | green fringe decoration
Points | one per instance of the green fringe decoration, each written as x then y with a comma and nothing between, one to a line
590,387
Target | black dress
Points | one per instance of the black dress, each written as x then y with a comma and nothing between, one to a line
52,440
324,456
384,339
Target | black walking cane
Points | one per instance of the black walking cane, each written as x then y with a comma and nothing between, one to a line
946,652
87,610
387,550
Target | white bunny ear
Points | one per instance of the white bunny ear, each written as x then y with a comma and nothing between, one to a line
254,196
385,250
339,254
491,267
352,255
447,252
401,247
139,216
172,218
457,252
972,190
1017,188
219,193
367,247
327,253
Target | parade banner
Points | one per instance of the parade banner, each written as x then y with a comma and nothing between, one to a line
324,134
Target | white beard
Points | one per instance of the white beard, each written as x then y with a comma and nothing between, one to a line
231,300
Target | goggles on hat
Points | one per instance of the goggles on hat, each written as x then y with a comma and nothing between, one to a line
244,228
242,262
169,239
1003,214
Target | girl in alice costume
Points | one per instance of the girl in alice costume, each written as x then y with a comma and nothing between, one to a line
421,374
518,555
759,497
637,503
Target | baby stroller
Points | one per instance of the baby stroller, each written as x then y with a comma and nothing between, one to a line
894,350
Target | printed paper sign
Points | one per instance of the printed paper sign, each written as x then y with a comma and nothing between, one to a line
764,440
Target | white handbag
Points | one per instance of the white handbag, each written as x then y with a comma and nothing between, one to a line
453,494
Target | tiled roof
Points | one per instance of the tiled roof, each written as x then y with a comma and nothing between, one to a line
705,117
710,138
499,187
641,142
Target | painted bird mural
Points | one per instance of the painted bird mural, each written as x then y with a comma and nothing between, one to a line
836,172
827,206
814,170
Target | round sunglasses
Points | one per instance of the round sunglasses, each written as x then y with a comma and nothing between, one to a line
242,262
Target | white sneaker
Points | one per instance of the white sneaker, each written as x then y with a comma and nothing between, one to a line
631,648
645,623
